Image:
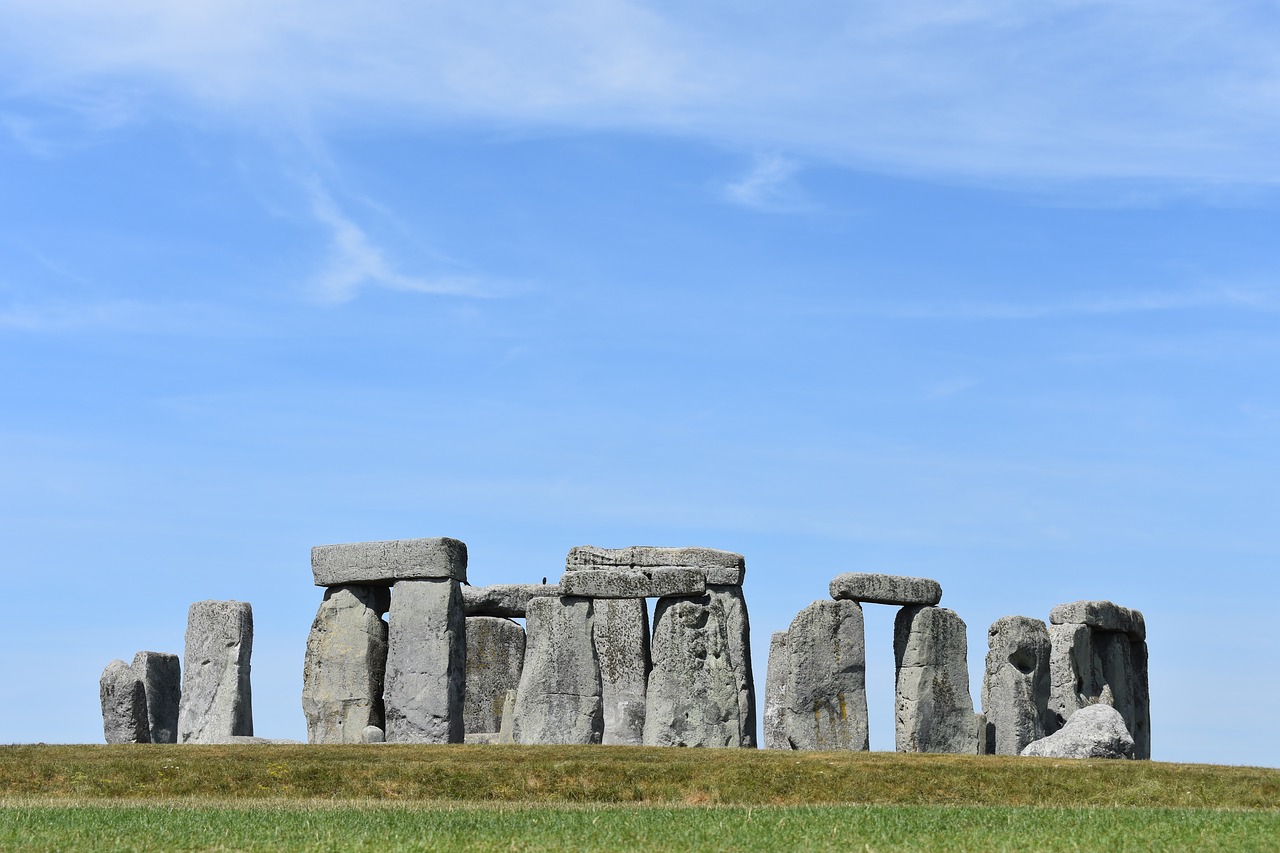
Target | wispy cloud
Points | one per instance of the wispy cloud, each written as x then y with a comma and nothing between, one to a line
767,186
1098,305
354,262
120,315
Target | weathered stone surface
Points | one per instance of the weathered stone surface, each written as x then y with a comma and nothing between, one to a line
885,589
373,734
1015,687
507,729
216,699
426,662
558,701
1071,680
481,737
934,711
621,633
161,675
495,657
640,583
1090,665
693,689
729,600
984,736
124,705
509,600
775,694
345,664
247,739
826,692
1101,616
720,567
1097,731
387,562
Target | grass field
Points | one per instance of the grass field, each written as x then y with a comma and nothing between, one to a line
400,797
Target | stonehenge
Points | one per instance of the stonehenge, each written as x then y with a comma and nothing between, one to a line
403,649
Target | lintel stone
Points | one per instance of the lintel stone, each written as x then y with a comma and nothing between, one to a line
509,600
721,567
1102,616
641,583
387,562
885,589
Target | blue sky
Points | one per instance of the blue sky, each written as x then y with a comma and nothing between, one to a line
978,291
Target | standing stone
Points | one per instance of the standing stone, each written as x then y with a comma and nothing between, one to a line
216,700
124,705
426,662
729,601
559,698
621,633
161,675
1071,677
495,657
826,687
934,709
1015,687
775,693
693,697
346,661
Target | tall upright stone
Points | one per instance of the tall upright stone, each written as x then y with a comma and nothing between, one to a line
495,658
426,662
621,633
727,600
124,705
774,735
345,665
1099,654
934,711
826,688
161,675
1015,686
693,697
216,699
559,699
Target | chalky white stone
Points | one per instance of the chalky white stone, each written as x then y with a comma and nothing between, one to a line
1015,686
1096,731
124,705
559,698
216,700
345,665
426,662
934,711
390,561
826,692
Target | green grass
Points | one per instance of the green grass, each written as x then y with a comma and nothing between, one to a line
401,797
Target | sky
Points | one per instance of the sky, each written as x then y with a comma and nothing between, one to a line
978,290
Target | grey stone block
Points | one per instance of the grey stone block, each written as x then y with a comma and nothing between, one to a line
385,563
509,600
640,583
1015,686
251,739
1071,673
495,658
775,694
161,675
345,665
426,662
124,705
826,692
621,633
217,702
934,711
693,697
1101,616
729,600
559,698
1095,731
723,568
885,589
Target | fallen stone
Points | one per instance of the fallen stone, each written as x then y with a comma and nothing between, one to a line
248,739
216,699
693,689
481,737
509,600
621,634
1101,616
934,711
124,705
775,694
373,734
885,589
720,567
1015,686
161,675
1097,731
558,701
640,583
826,692
495,657
345,665
729,601
1088,665
426,662
385,563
